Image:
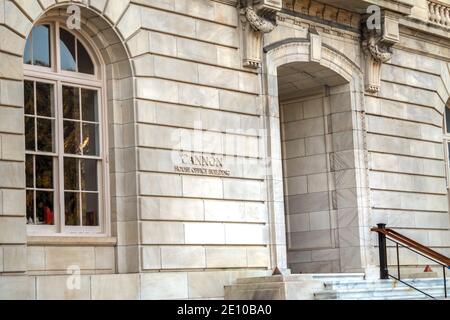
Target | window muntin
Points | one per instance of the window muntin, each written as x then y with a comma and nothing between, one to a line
63,122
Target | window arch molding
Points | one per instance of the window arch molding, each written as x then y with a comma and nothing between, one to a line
68,177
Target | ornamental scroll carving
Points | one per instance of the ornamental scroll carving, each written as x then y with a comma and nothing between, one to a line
257,18
377,47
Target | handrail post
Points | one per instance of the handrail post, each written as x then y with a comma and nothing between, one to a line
384,274
445,283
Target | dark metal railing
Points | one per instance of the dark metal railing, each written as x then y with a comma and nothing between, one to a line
401,241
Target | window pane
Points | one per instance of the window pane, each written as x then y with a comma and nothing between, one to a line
89,105
29,97
85,64
67,44
29,171
44,172
44,208
447,118
71,174
89,175
30,207
30,141
90,209
72,208
41,46
90,140
44,99
71,103
45,135
71,137
27,53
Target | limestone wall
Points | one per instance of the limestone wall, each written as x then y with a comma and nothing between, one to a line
186,91
405,143
309,183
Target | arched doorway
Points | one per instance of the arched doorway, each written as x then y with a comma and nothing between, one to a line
318,163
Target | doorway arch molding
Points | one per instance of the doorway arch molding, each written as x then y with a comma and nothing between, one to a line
355,243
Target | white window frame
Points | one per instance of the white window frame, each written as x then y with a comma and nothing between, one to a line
97,82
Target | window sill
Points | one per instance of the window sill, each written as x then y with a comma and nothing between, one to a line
72,241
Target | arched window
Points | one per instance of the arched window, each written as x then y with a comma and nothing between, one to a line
65,134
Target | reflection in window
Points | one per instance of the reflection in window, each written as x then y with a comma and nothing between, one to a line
67,48
40,190
62,117
81,195
74,56
38,48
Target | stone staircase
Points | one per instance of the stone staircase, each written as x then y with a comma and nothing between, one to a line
355,287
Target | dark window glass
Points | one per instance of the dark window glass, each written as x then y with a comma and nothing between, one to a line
90,209
45,134
27,55
67,44
72,208
71,137
44,172
29,170
45,214
29,97
447,118
30,207
44,99
90,140
85,64
71,103
71,174
41,46
30,141
89,105
89,175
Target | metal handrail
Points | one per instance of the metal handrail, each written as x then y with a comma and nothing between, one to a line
411,245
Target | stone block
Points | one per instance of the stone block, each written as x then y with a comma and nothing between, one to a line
105,259
246,234
171,209
164,286
12,230
36,258
61,258
115,287
151,258
203,285
162,233
160,185
17,288
204,233
183,257
63,288
14,258
224,257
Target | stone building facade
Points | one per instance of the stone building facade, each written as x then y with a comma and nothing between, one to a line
217,140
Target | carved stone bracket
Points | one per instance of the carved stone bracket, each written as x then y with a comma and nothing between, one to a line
257,18
377,47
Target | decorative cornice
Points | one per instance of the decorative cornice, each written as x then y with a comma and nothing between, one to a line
257,18
377,47
374,46
258,23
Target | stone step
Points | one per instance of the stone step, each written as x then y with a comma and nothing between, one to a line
338,276
371,284
380,293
